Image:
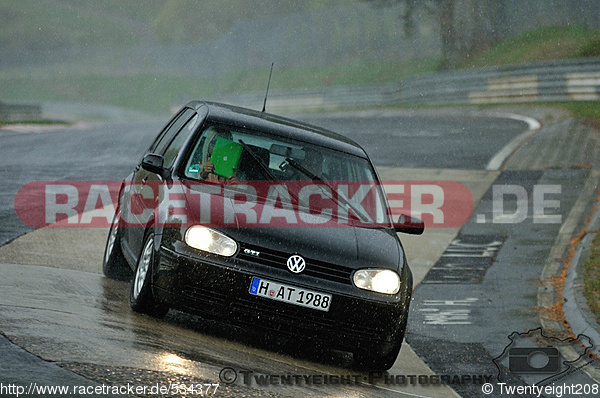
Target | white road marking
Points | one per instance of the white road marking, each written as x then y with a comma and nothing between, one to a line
497,161
442,313
459,249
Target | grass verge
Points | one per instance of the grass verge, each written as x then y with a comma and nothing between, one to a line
541,44
154,93
587,109
157,93
592,278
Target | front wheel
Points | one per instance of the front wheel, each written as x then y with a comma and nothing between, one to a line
114,265
141,298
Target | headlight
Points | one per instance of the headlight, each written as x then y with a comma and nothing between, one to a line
378,280
209,240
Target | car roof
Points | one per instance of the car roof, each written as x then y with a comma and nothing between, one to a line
278,125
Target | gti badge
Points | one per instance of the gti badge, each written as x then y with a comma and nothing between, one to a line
252,252
296,263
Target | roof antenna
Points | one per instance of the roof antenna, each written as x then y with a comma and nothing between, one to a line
268,84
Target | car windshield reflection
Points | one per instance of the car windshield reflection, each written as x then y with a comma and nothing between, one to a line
238,157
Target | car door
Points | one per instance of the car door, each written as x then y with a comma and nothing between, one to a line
139,195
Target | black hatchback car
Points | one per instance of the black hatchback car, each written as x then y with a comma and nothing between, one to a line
264,222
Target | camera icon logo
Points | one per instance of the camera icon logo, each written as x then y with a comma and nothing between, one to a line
534,360
537,356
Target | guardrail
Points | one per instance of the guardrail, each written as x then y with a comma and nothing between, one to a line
317,99
20,113
564,80
545,81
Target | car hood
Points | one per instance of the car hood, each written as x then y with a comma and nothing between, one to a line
348,245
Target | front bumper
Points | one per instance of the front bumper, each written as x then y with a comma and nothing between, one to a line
214,288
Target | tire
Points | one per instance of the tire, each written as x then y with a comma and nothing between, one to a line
141,298
114,264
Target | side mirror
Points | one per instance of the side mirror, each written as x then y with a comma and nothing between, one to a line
154,164
409,225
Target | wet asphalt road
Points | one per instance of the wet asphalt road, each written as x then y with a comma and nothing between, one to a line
455,141
110,151
483,288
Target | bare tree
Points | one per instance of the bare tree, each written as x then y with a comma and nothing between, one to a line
477,29
445,9
465,26
442,10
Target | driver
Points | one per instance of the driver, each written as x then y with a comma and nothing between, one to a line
207,168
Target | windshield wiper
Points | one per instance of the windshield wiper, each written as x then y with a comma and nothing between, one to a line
304,171
359,212
263,168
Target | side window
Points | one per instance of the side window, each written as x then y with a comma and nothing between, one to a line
167,136
203,148
175,146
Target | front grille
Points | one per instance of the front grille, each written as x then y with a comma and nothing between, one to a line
316,268
295,319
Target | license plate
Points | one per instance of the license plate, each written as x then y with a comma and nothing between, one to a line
290,294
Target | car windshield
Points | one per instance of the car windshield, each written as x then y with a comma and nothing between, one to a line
248,156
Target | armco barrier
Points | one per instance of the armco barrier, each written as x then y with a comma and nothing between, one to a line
563,80
545,81
20,113
317,99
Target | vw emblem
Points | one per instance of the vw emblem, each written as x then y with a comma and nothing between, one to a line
296,264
